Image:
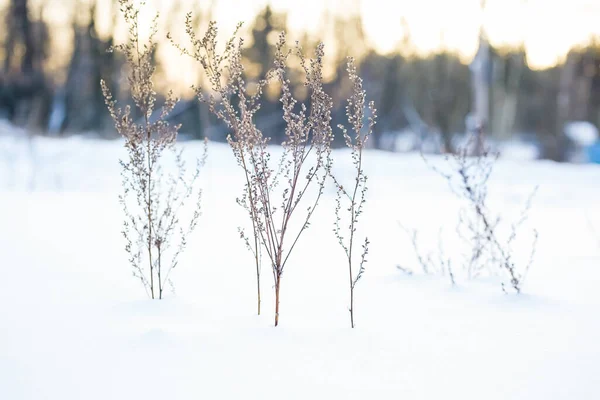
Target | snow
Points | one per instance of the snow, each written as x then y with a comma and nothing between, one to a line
76,325
519,150
406,140
583,133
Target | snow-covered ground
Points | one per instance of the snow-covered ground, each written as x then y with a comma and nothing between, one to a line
76,325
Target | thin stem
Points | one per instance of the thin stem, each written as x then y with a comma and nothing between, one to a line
160,283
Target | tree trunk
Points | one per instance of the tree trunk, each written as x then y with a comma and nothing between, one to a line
20,28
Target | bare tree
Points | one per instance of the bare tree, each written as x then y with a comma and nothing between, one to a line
353,199
152,199
20,30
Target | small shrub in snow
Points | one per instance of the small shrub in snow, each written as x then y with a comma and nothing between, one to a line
490,244
280,199
152,199
352,198
432,263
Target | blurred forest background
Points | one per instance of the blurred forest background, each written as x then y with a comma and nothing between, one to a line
422,99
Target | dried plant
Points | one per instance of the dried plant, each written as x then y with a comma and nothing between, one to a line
152,200
425,261
253,246
352,199
478,224
434,262
444,261
299,176
205,52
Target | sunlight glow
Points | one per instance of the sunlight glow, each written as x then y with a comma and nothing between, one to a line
546,29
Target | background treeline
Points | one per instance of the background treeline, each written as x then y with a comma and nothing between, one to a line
432,96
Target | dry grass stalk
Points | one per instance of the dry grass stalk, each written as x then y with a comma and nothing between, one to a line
478,223
299,176
152,199
352,199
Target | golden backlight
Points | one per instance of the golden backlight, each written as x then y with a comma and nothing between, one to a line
547,29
